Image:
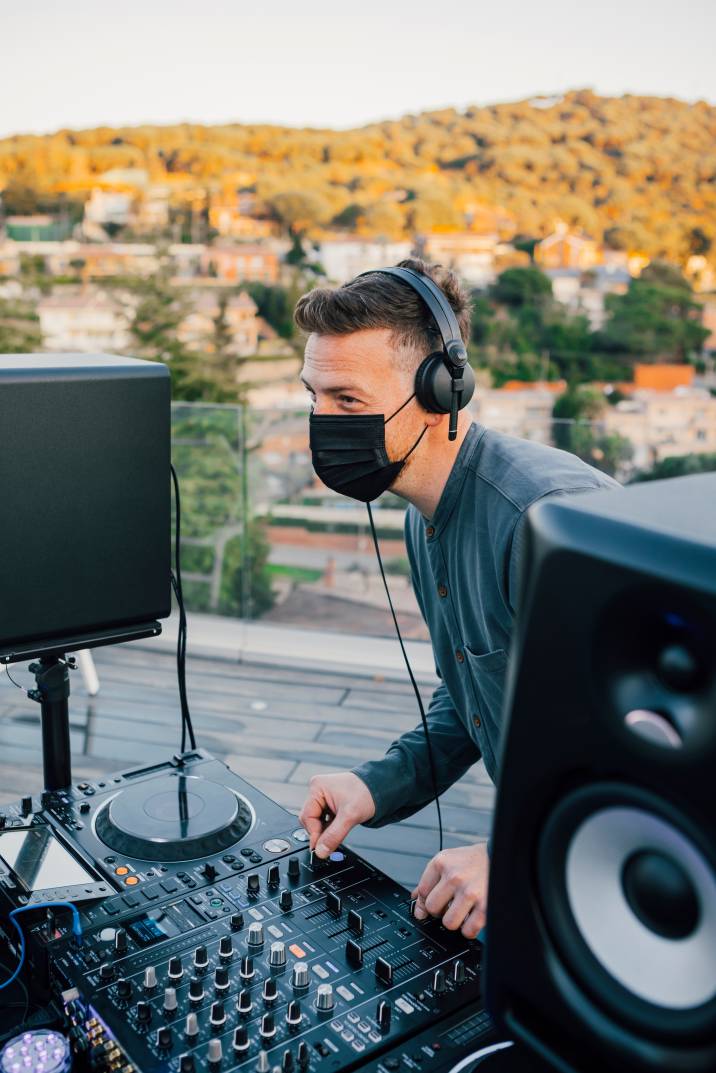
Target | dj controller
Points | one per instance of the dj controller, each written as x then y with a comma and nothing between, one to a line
213,939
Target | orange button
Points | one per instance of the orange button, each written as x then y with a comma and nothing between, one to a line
131,881
122,870
297,950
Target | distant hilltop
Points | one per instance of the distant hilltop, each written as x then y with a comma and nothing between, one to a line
636,173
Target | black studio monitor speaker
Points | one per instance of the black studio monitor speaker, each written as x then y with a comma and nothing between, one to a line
601,951
85,509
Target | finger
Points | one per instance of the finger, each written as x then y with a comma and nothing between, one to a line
460,907
419,910
311,816
428,879
439,898
334,833
475,922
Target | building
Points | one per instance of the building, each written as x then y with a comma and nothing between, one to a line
519,408
567,249
583,291
470,254
39,227
88,320
197,329
153,210
231,218
344,258
661,423
240,263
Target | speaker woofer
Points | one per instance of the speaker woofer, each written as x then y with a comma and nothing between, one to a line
609,860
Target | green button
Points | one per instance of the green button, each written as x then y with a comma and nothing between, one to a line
215,902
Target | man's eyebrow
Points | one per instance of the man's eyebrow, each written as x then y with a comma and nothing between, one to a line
346,389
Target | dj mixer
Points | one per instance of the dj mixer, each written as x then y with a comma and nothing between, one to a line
213,939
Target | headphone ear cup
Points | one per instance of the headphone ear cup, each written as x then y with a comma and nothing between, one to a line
433,384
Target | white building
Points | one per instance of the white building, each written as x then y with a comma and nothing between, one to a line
198,327
88,320
344,258
469,254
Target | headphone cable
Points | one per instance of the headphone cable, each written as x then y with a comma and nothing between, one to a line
186,724
431,759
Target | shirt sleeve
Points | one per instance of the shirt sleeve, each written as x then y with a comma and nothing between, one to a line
401,783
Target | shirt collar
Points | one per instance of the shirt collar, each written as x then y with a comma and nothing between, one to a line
454,483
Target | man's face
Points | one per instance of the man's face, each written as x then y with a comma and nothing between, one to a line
360,374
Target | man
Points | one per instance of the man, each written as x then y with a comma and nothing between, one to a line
464,529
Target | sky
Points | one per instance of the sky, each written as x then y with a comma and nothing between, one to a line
86,63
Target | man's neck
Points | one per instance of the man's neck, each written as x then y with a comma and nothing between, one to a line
425,478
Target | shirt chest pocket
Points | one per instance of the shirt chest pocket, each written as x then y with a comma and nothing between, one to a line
488,675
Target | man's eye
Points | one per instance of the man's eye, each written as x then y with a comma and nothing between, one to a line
347,399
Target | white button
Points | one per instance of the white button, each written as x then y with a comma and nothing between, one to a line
320,971
404,1006
346,994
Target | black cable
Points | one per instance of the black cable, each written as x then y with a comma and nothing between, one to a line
431,760
7,672
186,724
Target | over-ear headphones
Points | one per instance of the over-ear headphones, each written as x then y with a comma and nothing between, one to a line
444,382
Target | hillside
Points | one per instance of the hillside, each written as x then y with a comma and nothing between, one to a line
638,172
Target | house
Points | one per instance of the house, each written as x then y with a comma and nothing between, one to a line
240,263
344,258
232,220
87,320
520,408
567,249
583,291
197,329
660,423
109,207
470,254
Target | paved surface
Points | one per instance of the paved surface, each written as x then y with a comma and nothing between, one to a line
274,725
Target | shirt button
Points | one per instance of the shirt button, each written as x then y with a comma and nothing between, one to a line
459,656
442,590
476,720
430,531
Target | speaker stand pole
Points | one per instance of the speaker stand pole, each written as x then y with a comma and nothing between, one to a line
52,675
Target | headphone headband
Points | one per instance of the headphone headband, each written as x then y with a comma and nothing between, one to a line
437,303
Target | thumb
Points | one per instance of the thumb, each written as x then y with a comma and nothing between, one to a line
335,832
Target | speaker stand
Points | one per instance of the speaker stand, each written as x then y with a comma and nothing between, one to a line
52,675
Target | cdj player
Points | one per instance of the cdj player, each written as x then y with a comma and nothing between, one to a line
212,939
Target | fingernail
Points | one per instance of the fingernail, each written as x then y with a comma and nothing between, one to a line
322,849
419,913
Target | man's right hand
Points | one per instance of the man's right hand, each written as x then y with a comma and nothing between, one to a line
346,798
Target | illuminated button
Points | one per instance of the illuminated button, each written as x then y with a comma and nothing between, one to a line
122,870
131,881
297,950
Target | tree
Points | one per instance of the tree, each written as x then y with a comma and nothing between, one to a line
577,429
245,579
517,287
275,304
677,466
299,210
657,318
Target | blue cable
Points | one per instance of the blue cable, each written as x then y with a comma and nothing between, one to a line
76,930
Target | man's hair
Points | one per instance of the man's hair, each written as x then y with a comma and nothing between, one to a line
380,301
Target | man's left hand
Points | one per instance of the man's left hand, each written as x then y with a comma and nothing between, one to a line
454,887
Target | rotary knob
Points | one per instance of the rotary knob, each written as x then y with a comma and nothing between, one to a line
124,988
186,1063
253,883
270,991
201,959
324,998
191,1027
273,877
287,1062
294,868
170,1000
439,982
214,1052
164,1038
150,978
226,948
304,1055
217,1018
144,1013
175,970
236,921
268,1029
285,901
293,1014
106,973
244,1005
196,989
300,976
458,972
256,934
277,956
241,1039
120,942
221,978
262,1064
246,972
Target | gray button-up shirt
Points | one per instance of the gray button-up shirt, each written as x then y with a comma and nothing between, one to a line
464,563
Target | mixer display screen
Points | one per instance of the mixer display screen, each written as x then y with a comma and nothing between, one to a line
151,928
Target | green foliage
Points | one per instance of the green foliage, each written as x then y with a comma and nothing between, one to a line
677,466
19,328
657,318
197,558
520,287
245,580
275,304
577,429
295,573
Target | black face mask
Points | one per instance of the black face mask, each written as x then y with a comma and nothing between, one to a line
349,454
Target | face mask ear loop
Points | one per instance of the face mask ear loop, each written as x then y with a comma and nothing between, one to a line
409,399
415,444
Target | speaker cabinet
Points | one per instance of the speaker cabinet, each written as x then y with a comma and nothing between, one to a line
601,949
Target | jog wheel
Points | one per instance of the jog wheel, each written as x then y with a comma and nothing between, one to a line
174,818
